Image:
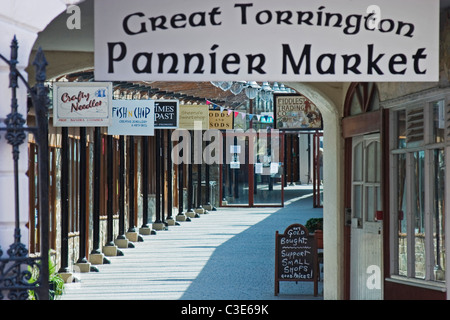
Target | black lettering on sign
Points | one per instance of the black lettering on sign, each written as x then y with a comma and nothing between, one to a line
295,256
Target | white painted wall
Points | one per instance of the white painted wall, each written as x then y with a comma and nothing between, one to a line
333,189
23,19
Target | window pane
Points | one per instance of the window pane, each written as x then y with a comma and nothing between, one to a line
371,203
438,121
357,162
401,128
355,106
401,215
375,99
417,207
438,216
373,162
357,203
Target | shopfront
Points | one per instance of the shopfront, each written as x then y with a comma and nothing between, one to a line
259,182
395,225
418,161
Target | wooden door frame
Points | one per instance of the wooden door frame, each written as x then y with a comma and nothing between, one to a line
364,123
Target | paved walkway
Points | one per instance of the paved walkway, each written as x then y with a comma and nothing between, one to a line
227,254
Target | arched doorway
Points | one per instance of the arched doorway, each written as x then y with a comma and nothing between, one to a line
322,94
362,130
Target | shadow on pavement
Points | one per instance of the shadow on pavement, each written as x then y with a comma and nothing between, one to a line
243,268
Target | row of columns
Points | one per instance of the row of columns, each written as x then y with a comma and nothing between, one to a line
125,238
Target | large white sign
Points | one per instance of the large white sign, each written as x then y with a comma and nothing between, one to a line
81,104
266,40
132,118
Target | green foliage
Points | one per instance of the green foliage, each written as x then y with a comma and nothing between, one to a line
314,224
56,283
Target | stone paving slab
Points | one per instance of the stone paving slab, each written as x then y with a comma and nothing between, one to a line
227,254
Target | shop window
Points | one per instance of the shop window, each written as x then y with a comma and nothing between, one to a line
34,214
364,98
418,166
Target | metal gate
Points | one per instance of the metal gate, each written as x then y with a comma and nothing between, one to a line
20,273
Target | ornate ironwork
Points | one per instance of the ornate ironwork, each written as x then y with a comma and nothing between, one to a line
20,273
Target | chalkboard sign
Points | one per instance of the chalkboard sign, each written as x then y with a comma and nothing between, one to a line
295,256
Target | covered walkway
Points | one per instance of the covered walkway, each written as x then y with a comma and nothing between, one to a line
227,254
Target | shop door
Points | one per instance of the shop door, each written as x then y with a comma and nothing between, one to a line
268,170
235,170
366,232
253,183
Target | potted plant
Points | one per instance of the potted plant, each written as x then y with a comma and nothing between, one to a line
56,283
315,226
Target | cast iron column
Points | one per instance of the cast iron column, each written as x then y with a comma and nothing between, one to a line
190,184
158,180
122,190
199,186
64,201
169,177
207,199
83,171
131,224
96,192
181,216
109,181
145,182
162,175
224,168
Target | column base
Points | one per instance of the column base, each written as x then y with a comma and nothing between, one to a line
145,231
96,258
121,243
158,226
133,236
83,267
110,250
180,217
200,210
171,222
192,214
67,277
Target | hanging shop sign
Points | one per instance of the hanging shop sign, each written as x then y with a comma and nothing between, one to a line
303,40
296,112
132,118
81,104
194,117
166,114
220,120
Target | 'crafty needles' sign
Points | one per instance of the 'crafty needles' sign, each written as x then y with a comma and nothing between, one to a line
81,104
